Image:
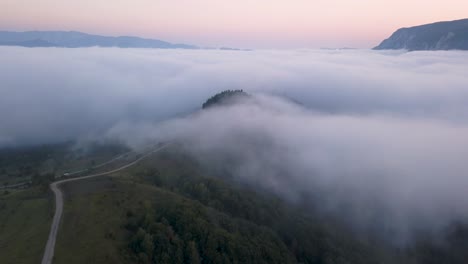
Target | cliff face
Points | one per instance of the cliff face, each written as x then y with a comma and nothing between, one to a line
437,36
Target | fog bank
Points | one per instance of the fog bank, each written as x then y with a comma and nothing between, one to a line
378,138
53,94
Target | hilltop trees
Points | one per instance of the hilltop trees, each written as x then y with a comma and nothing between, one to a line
224,97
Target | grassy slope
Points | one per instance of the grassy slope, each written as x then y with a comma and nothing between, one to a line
96,209
96,212
93,228
26,215
25,218
91,225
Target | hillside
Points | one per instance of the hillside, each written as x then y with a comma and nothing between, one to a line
169,209
450,35
172,208
73,39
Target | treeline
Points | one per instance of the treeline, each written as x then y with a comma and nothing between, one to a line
183,231
39,164
21,164
208,219
214,221
223,97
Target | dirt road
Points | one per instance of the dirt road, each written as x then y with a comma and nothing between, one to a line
50,246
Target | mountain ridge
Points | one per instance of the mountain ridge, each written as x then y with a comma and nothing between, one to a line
444,35
76,39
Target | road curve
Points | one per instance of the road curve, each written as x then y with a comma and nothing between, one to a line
50,246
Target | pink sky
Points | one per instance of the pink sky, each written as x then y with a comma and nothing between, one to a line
241,23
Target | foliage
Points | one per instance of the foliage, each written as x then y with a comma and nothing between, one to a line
224,97
224,221
450,248
187,232
170,209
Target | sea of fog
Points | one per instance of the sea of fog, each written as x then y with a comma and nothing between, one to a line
375,136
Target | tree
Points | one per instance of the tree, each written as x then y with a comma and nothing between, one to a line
192,253
224,97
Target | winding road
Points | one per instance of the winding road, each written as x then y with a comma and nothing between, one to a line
50,246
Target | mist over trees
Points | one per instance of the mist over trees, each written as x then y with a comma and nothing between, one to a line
378,140
225,97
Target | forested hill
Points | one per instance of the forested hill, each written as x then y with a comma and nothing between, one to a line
173,208
225,97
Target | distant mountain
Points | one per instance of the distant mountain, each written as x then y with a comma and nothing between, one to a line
73,39
450,35
233,49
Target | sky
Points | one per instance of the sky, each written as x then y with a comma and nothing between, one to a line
241,23
378,137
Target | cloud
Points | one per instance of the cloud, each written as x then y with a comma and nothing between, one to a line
379,172
380,138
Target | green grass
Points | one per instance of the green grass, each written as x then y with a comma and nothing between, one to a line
92,229
165,192
91,217
187,213
25,218
96,213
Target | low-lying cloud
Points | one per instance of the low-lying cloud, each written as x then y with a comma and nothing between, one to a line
378,172
376,136
54,94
